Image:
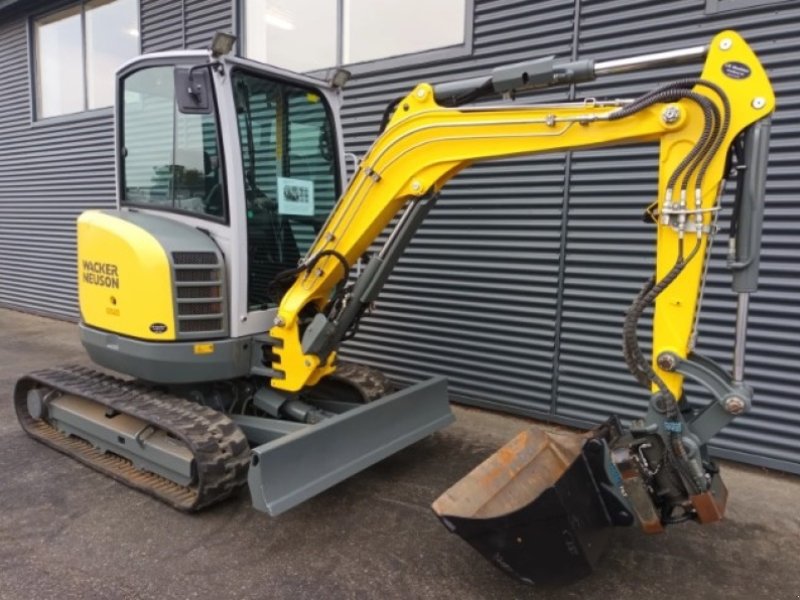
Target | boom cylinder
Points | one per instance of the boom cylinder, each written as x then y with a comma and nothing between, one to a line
549,71
744,259
648,61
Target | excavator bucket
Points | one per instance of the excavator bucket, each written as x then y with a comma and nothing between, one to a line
540,508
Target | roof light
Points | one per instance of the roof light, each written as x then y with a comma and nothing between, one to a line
222,44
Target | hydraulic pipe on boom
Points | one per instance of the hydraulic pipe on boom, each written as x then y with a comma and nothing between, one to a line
649,61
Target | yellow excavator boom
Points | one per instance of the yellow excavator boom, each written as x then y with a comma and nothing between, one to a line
425,145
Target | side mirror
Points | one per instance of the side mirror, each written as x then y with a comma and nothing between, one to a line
193,89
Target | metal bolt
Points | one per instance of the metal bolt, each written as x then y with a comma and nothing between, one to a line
421,93
758,102
416,186
658,402
725,44
307,363
278,322
550,120
671,114
735,405
667,362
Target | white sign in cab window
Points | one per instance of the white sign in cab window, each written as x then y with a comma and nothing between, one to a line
295,197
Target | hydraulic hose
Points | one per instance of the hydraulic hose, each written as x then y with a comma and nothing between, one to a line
714,129
290,274
634,357
671,94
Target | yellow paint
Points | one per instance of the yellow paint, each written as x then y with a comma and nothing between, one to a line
124,278
203,348
675,307
280,131
424,145
298,369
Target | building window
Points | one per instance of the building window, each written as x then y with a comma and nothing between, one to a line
397,27
715,6
77,51
295,34
305,35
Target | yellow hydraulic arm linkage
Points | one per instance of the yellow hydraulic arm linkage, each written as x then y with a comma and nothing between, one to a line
426,144
535,507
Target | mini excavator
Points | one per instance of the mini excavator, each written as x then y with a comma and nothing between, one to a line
222,285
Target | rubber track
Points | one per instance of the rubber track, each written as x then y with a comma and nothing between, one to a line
369,382
219,447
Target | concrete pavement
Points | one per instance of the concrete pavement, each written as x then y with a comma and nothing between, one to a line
68,532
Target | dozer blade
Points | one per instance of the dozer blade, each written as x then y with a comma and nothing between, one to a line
296,466
540,508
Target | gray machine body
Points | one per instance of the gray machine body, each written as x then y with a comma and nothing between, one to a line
298,464
167,362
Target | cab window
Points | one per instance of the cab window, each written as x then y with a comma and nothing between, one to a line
171,160
288,145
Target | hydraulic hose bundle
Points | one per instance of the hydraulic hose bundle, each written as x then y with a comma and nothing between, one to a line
697,160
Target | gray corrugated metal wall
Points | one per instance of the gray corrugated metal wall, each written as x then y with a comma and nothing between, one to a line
171,24
50,171
483,294
162,25
604,267
476,296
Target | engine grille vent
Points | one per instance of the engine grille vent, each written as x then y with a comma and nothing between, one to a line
194,258
200,326
196,274
199,308
199,292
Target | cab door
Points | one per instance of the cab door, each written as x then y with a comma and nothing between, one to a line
289,174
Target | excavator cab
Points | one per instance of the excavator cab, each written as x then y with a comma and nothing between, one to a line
275,180
227,170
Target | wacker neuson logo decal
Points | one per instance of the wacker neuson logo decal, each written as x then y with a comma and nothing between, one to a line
102,274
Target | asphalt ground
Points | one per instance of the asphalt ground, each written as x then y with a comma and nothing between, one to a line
68,532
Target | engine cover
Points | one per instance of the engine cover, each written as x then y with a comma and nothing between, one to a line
149,277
